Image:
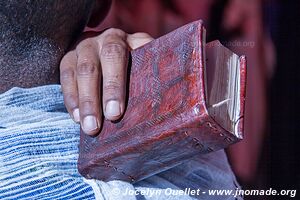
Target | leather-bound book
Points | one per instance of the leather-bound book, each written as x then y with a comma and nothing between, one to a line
185,98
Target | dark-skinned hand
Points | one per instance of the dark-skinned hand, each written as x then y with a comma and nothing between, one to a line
95,60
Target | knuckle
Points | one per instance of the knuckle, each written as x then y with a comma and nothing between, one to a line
87,106
113,51
111,86
85,44
87,69
68,59
70,99
67,73
86,99
114,31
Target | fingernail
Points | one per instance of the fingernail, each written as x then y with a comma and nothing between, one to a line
113,108
76,115
89,124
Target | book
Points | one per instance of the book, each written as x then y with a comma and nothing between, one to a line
185,98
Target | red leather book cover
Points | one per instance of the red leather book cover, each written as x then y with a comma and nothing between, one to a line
166,120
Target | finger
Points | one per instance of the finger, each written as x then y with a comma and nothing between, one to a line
69,84
137,40
114,61
88,81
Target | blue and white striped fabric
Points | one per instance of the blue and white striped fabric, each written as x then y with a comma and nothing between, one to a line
39,151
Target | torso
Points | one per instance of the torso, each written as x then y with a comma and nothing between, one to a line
36,65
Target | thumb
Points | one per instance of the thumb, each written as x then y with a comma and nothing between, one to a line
137,40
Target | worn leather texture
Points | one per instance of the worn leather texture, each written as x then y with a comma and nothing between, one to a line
166,120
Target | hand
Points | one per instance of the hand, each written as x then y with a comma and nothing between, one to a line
95,60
